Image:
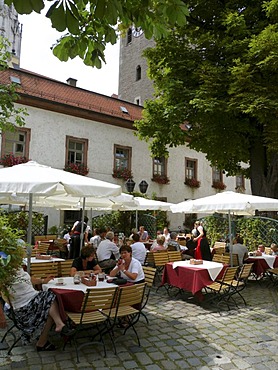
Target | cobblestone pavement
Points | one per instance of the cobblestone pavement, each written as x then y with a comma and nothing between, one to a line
180,335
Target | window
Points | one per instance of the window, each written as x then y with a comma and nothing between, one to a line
71,216
16,143
138,73
190,168
76,150
122,157
240,182
159,166
129,36
217,175
137,100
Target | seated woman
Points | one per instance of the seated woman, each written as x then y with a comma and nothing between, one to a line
86,262
160,244
128,267
35,311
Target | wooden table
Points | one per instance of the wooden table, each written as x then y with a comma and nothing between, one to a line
189,277
262,263
70,295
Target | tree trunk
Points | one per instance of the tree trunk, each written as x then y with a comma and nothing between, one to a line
263,171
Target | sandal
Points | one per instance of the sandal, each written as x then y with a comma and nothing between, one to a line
66,331
47,347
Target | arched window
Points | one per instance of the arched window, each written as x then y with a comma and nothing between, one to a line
138,73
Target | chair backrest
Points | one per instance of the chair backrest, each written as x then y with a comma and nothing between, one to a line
174,256
219,247
217,258
245,271
38,238
42,269
149,273
234,258
226,259
64,267
160,258
229,275
131,295
267,250
149,260
99,299
43,247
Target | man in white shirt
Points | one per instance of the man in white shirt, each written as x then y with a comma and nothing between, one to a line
107,252
240,249
138,249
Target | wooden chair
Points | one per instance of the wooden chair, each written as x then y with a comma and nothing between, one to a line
149,260
64,268
223,288
43,248
95,314
241,280
128,308
234,259
219,247
273,274
160,260
149,273
174,256
42,269
217,258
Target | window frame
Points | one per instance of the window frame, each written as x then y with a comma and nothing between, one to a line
195,168
242,182
84,141
214,171
164,165
27,133
129,156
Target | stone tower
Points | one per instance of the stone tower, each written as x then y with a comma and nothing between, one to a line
11,29
134,84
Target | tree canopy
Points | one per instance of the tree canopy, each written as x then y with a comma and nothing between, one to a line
9,115
91,24
218,76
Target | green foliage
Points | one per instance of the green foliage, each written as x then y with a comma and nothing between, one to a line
20,220
10,117
218,74
216,227
91,24
14,253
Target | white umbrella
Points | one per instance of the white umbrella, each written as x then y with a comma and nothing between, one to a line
36,180
227,202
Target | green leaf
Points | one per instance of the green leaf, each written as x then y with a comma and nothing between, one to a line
100,9
72,22
58,18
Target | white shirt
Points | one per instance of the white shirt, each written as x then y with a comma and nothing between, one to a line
240,250
134,267
22,291
95,241
105,249
139,251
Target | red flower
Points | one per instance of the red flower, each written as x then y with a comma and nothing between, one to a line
78,168
122,173
161,179
218,185
193,183
9,160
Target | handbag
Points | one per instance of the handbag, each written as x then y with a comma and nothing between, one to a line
119,281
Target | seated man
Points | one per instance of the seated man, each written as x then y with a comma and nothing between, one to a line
240,249
108,252
173,245
86,262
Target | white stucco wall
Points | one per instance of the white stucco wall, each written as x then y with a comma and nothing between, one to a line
48,144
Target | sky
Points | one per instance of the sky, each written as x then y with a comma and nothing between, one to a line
36,56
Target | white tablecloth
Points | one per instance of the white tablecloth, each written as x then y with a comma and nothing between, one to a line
213,268
268,259
35,260
69,284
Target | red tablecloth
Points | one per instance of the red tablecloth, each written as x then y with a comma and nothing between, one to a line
68,300
260,265
190,279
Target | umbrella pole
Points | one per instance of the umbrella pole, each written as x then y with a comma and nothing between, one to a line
29,233
136,219
82,225
230,238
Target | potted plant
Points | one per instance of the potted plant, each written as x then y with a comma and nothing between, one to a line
122,173
78,168
192,183
218,185
161,179
11,254
9,160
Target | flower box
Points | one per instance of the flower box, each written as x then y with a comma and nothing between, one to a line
77,168
122,173
9,160
161,179
218,185
192,183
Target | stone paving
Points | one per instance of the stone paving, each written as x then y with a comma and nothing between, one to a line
180,335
